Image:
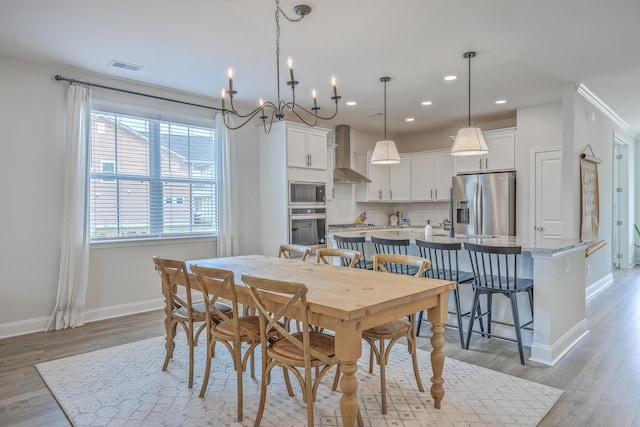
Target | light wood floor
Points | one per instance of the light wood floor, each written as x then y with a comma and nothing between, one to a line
600,376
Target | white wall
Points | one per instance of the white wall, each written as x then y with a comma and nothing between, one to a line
121,278
585,124
538,127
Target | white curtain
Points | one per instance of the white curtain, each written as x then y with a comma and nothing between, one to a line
74,253
227,191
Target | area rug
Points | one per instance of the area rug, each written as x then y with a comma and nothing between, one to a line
124,386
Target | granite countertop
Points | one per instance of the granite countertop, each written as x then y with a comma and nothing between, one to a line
439,235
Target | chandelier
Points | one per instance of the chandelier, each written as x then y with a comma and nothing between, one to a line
276,110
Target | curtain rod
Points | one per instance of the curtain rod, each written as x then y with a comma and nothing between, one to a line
74,81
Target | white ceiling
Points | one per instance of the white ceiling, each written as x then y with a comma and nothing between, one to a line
527,51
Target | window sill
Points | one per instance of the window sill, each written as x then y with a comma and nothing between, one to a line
152,241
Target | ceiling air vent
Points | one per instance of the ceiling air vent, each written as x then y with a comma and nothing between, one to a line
125,66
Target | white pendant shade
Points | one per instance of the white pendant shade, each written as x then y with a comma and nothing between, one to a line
469,142
385,153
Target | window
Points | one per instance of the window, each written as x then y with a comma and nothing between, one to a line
108,168
151,178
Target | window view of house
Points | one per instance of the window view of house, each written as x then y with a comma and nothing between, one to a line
150,178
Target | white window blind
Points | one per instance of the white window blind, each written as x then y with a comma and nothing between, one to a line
151,178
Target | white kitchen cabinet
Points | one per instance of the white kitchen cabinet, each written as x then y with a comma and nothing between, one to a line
431,174
389,183
306,147
400,179
278,149
502,154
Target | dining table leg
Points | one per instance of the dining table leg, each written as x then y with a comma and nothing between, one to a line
437,317
348,350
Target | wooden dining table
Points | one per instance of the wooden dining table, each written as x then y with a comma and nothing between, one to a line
349,301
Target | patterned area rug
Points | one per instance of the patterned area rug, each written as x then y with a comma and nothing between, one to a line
124,386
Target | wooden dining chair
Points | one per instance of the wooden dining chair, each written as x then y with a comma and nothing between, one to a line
296,352
495,270
231,331
348,258
294,251
396,329
180,310
355,243
444,266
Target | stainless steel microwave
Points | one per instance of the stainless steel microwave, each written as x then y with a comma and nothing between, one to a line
307,193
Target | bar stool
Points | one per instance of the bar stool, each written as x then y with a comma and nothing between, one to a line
495,270
444,265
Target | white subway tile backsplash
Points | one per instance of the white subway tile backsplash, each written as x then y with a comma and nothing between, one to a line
343,209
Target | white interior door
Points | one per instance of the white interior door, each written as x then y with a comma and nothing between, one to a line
548,184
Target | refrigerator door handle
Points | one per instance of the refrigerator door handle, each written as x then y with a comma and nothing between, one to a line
476,225
480,210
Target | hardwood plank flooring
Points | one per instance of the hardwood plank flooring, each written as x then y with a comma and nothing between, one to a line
600,376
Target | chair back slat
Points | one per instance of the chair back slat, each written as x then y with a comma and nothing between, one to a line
293,251
348,258
354,244
390,263
494,267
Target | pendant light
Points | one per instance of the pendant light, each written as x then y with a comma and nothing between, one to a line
385,152
469,140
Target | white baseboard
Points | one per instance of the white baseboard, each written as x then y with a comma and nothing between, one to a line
104,313
23,327
30,326
598,286
549,355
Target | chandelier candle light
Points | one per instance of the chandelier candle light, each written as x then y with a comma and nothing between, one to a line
469,140
385,152
270,110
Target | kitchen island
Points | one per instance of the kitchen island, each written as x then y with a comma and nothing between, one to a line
558,269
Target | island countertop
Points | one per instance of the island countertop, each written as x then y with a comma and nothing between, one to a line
549,246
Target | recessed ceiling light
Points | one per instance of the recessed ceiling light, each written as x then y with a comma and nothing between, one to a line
351,103
501,101
409,119
427,102
449,78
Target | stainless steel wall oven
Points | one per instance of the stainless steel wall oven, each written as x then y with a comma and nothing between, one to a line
308,226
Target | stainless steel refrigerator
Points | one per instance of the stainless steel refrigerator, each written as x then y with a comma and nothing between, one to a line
485,204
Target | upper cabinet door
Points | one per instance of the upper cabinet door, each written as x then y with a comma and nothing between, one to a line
422,182
317,150
443,171
502,150
468,164
297,148
400,179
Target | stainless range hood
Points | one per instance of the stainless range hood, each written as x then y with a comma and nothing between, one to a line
343,172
